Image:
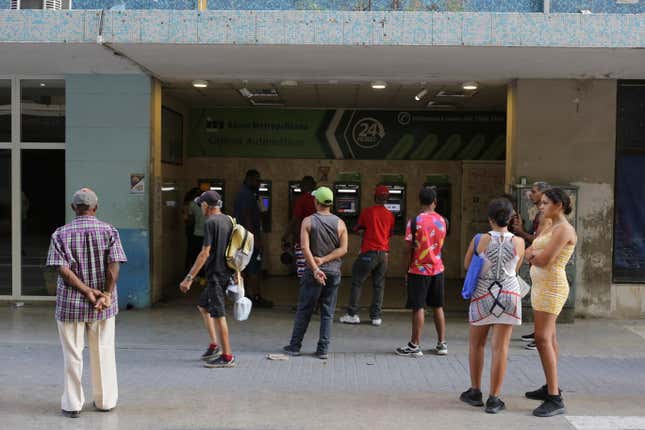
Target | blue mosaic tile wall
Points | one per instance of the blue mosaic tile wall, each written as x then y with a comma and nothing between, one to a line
525,6
596,6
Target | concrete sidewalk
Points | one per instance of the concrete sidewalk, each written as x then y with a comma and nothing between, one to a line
362,385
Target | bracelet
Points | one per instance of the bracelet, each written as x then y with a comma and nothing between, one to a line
317,270
189,277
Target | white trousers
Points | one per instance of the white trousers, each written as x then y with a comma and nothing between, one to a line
100,339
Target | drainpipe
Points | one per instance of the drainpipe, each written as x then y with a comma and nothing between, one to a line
546,7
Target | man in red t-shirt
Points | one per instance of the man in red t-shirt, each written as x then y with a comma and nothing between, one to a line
304,206
377,223
425,234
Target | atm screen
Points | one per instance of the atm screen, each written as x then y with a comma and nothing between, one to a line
346,206
393,207
265,202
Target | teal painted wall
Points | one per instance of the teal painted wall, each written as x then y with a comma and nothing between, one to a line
108,138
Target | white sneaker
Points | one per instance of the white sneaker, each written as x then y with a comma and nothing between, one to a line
377,322
441,348
350,319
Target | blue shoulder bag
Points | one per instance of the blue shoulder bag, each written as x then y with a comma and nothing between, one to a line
474,268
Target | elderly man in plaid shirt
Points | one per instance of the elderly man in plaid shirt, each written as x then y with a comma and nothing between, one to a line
87,253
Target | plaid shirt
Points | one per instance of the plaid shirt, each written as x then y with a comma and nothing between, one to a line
85,246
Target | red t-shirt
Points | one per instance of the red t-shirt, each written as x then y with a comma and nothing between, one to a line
428,240
378,223
304,206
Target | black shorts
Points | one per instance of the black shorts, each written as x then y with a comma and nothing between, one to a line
425,291
213,297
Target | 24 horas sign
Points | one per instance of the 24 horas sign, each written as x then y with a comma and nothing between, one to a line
395,135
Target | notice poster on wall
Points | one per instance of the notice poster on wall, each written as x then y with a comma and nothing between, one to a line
137,183
348,134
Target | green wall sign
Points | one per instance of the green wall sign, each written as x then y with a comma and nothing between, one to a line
347,134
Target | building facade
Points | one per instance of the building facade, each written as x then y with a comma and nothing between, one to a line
107,95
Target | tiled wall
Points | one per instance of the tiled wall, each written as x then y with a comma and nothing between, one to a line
328,28
562,6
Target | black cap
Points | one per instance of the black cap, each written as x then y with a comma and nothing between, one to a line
211,198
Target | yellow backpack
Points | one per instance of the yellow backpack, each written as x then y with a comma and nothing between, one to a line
239,248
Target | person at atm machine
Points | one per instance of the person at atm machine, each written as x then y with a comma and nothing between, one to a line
425,235
304,206
247,212
377,223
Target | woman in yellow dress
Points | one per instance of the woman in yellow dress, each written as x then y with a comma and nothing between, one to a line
548,256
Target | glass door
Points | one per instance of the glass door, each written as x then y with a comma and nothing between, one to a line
32,183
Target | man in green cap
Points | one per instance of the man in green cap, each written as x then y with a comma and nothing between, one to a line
323,238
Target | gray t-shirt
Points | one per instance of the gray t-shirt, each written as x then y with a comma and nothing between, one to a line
199,218
217,230
323,239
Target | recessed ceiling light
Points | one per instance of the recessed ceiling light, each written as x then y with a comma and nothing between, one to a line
42,84
289,83
379,85
469,86
200,83
421,94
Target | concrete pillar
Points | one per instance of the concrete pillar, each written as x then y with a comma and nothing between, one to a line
155,191
564,132
108,140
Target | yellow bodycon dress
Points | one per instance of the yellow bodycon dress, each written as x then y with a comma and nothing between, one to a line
550,288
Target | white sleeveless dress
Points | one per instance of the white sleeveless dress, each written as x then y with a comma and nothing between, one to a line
497,298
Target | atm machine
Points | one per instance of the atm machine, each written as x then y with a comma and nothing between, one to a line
265,203
213,184
347,202
443,187
294,192
396,201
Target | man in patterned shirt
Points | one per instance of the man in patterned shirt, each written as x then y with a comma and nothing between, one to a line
87,253
425,235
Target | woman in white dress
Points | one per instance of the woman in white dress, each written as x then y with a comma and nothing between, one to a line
495,304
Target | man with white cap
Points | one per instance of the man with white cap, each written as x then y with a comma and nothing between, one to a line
87,253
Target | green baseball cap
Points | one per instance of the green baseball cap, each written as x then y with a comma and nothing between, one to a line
324,196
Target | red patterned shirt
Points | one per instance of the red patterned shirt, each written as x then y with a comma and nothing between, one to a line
428,240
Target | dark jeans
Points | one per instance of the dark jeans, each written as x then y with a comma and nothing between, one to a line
374,263
310,292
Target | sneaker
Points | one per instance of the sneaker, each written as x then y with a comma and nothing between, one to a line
528,338
441,348
220,362
211,353
553,405
539,394
350,319
530,346
472,396
409,350
376,322
322,355
291,350
261,302
494,405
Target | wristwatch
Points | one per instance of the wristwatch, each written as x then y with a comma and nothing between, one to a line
189,277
